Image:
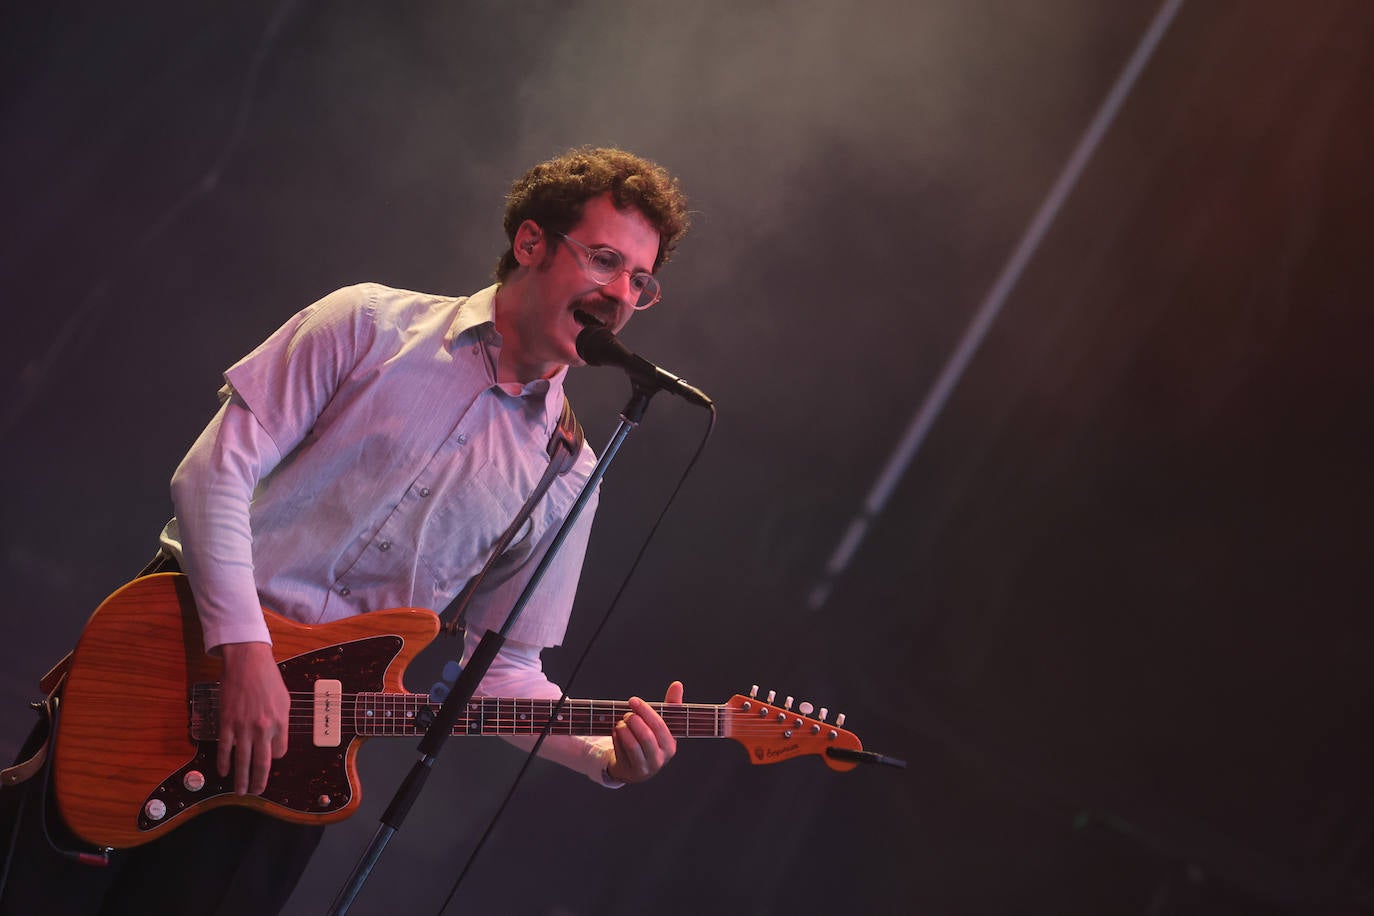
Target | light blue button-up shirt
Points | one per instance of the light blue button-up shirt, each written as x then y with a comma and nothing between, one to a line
387,461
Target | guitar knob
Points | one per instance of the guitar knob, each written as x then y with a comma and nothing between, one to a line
806,709
156,809
824,712
771,695
754,692
788,704
194,780
839,721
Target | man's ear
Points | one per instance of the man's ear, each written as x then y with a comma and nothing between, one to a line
529,244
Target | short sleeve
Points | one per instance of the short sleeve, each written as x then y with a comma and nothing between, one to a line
289,379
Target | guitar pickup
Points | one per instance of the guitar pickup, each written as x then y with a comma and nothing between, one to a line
326,713
204,712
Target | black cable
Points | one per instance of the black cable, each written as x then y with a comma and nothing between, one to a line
14,839
100,858
577,666
43,784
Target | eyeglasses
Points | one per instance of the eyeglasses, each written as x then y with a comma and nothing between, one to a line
603,265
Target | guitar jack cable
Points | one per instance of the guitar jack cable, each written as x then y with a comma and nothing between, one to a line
98,859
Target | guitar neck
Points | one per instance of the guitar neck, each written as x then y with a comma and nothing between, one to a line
332,716
407,714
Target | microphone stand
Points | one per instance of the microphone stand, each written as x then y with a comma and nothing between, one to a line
441,727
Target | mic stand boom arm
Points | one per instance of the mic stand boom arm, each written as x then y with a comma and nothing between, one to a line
444,720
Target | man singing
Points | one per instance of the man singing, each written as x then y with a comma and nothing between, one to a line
368,455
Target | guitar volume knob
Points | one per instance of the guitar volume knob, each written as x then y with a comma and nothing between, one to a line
155,809
194,780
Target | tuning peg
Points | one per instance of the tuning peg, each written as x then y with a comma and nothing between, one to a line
839,721
806,708
771,694
824,712
787,704
754,692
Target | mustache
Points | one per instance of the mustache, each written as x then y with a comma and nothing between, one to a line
598,306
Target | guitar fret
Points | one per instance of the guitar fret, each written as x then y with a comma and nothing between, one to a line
564,720
602,716
387,714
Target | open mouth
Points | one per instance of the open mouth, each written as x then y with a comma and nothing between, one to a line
587,319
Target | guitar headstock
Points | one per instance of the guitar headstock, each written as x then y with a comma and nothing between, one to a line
772,733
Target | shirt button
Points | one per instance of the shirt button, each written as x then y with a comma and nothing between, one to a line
424,491
385,545
462,439
344,590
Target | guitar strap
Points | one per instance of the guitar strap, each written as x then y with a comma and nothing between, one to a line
564,446
51,685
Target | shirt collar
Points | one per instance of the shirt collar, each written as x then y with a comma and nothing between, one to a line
474,323
472,313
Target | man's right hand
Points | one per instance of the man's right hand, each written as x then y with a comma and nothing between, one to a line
254,709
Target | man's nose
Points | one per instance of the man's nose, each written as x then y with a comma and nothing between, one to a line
620,289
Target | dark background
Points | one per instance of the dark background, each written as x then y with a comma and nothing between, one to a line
1115,614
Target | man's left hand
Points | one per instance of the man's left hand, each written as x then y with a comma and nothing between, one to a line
643,743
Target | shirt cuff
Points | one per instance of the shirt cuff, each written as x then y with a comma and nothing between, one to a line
608,780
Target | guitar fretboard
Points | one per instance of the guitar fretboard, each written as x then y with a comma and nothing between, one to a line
408,714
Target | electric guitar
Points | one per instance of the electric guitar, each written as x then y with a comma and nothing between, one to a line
135,747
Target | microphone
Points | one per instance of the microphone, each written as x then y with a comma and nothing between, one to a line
598,346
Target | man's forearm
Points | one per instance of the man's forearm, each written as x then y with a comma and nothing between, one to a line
211,490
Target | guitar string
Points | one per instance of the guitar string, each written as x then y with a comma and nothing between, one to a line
420,699
508,708
403,730
708,718
681,728
746,723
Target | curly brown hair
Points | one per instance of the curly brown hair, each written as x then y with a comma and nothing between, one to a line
553,193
